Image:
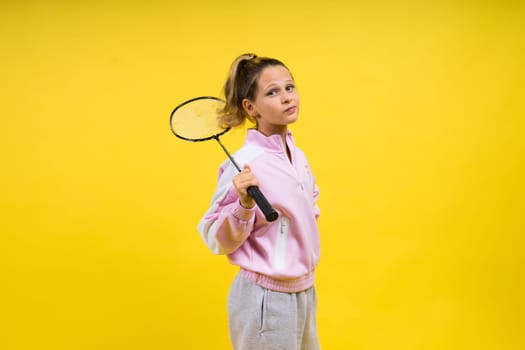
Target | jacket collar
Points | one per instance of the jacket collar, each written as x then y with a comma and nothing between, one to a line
272,143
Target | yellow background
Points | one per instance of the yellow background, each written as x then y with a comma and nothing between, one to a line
412,118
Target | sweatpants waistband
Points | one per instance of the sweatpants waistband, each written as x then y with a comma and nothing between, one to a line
286,286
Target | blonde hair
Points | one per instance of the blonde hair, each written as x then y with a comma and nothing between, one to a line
242,84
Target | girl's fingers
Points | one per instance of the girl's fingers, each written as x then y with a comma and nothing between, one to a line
246,178
241,182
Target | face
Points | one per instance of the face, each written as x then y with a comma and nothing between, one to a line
276,103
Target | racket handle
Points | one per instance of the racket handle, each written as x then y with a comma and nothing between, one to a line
269,213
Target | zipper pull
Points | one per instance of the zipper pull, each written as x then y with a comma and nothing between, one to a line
283,225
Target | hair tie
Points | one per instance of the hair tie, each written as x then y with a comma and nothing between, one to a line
248,57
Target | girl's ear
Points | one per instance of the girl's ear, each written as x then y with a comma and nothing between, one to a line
249,107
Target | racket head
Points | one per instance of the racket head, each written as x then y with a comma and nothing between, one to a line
196,119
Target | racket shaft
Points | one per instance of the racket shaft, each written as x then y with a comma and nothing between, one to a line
269,213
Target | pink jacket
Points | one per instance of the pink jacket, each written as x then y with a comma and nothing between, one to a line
279,255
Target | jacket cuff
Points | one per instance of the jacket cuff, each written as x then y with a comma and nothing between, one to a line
243,213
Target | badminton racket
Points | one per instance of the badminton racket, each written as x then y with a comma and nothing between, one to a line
195,120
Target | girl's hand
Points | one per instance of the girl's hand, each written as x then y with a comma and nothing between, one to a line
241,182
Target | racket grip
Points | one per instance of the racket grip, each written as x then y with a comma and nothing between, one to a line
269,213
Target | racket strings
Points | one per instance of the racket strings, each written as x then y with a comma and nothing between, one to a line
197,119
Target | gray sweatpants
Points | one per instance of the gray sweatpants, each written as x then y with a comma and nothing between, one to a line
261,319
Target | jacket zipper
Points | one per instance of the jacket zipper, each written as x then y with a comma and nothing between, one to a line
292,164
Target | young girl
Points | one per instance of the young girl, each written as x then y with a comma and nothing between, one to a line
272,301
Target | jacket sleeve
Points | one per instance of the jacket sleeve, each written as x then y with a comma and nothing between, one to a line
317,211
226,224
315,191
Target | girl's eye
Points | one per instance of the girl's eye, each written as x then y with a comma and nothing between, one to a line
290,87
271,92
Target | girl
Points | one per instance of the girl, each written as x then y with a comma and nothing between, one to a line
272,301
